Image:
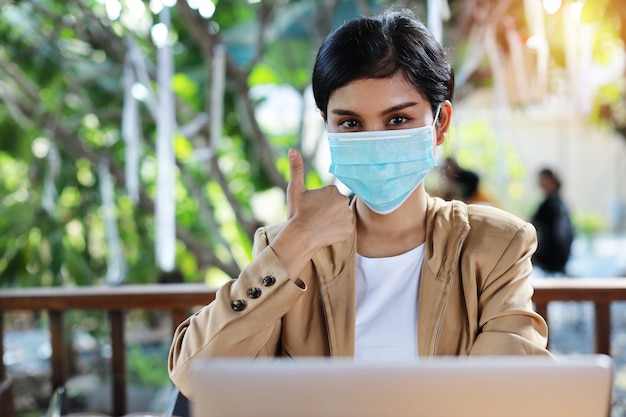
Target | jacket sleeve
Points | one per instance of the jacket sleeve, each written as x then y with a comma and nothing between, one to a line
507,322
243,321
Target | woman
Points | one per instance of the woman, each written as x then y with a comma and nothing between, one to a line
393,273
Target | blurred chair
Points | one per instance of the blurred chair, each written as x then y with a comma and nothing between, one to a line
56,407
6,397
169,412
182,406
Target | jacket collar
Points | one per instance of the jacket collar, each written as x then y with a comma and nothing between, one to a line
447,225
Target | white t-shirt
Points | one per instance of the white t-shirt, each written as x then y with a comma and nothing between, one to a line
386,306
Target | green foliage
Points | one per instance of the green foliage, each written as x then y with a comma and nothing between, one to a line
589,224
263,74
147,367
62,69
476,147
65,98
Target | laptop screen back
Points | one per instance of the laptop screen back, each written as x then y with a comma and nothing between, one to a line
577,386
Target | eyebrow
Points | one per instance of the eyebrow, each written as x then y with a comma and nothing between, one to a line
397,107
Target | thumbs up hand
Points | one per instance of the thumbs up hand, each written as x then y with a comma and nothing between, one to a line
317,218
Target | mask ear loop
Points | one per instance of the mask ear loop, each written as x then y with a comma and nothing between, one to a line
434,125
436,116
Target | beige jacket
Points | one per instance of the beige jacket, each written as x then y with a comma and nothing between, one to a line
474,297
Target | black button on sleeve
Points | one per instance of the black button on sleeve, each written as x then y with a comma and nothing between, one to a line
254,292
238,305
268,281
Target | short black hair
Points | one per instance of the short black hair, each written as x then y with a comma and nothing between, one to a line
378,47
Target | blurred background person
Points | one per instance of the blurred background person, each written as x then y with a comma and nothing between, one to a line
552,220
462,184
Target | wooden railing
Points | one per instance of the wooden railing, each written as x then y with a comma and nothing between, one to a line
180,299
600,291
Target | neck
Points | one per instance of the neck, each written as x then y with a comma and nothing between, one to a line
394,233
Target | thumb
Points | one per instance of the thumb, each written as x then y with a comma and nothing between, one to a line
296,174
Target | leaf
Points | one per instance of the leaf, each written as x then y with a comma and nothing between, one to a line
182,147
263,74
185,87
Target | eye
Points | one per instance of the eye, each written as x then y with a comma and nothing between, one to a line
349,124
398,120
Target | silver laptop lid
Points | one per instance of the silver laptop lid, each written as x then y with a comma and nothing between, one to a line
572,386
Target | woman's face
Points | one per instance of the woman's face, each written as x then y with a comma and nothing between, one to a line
377,104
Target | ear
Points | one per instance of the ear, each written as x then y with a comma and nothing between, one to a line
443,122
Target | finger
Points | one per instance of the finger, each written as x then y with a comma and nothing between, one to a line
296,173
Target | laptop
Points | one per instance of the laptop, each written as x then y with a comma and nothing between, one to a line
520,386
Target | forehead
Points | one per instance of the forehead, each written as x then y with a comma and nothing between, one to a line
376,94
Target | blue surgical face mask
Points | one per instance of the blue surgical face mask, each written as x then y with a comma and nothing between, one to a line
383,168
